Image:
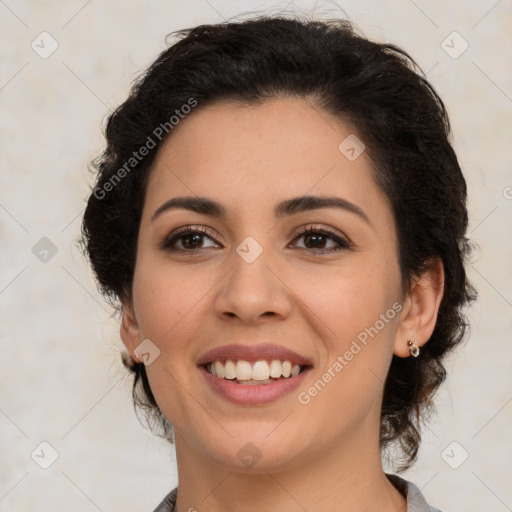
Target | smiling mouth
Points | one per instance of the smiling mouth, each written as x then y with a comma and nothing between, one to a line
254,373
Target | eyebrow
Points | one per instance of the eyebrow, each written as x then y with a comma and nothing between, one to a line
205,206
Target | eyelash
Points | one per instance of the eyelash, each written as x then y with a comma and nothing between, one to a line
169,242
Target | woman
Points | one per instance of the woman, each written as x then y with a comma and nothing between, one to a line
280,217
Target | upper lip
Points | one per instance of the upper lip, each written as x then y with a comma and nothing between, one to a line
251,353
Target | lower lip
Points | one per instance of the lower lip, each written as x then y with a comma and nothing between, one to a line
252,394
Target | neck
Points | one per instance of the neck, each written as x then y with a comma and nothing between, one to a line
347,478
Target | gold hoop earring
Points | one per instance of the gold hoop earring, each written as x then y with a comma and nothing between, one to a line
414,350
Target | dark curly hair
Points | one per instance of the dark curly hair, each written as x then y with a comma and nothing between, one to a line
380,90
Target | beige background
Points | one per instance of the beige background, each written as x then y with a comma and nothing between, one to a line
61,377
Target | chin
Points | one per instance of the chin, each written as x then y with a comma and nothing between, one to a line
258,453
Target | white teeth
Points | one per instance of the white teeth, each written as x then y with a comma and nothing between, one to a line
230,370
276,369
243,370
261,371
255,382
287,369
219,369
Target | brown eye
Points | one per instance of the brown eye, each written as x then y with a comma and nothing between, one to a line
192,240
187,240
316,240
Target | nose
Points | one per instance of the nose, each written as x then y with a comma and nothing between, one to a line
253,292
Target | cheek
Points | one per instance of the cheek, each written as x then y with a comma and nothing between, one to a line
356,312
348,300
170,306
164,298
355,346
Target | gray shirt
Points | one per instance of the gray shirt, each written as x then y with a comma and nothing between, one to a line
415,500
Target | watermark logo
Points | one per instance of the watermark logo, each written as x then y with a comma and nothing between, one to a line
249,455
147,352
454,45
249,249
44,250
44,455
454,455
44,45
352,147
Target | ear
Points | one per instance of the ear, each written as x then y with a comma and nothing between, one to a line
419,315
129,330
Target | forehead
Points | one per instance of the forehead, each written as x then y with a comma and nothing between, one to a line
246,155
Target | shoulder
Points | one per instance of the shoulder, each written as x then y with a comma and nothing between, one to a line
416,502
168,503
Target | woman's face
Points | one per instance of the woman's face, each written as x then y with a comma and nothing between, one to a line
253,285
